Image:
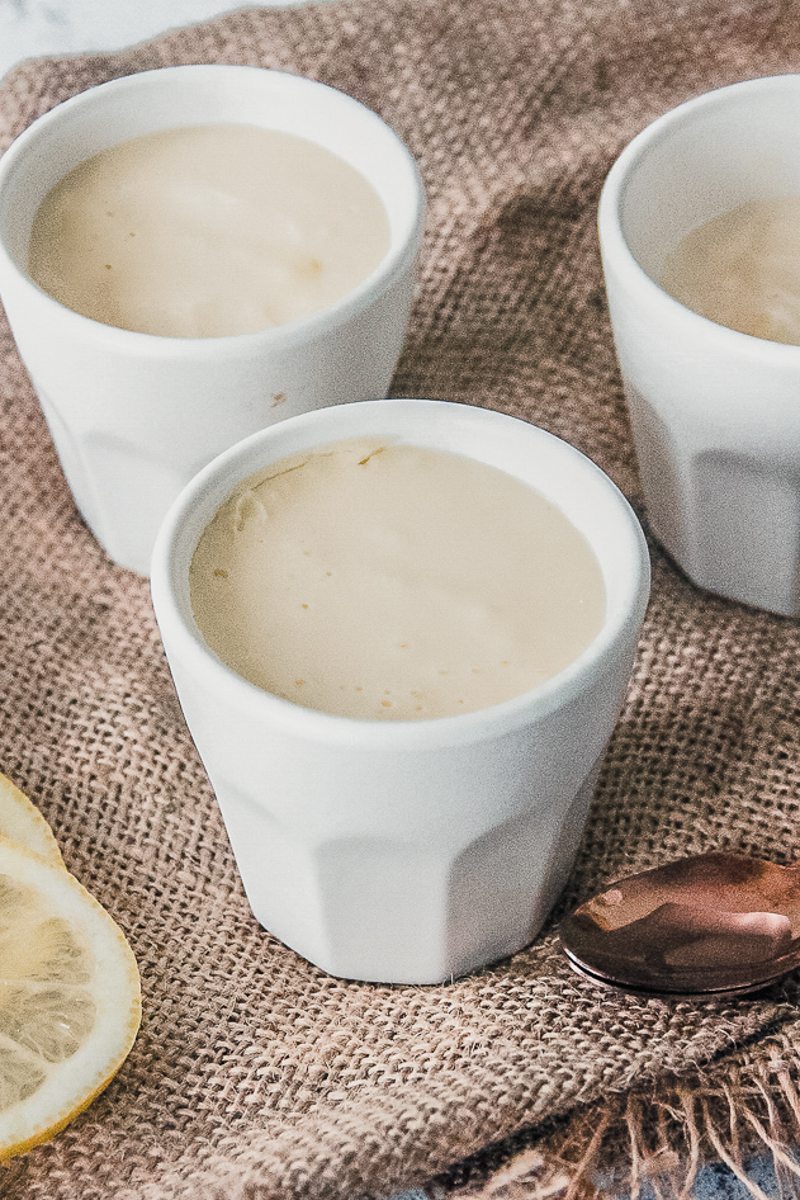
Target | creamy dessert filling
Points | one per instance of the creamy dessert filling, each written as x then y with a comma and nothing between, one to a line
394,582
742,269
207,231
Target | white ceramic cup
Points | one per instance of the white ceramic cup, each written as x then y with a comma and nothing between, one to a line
715,413
135,416
407,851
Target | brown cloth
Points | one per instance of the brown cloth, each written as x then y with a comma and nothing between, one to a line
254,1074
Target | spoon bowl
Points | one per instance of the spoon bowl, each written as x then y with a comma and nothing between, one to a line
716,923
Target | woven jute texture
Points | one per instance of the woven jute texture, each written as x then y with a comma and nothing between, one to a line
254,1074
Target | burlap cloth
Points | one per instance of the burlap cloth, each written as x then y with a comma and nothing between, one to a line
254,1074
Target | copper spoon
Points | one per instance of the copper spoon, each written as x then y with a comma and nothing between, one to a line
715,924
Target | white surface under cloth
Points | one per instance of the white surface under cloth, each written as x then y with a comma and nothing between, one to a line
29,28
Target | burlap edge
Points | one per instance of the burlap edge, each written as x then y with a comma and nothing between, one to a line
742,1107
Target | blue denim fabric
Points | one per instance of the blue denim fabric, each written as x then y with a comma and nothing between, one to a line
713,1183
716,1182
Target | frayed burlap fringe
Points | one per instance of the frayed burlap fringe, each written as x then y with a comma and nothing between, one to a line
654,1144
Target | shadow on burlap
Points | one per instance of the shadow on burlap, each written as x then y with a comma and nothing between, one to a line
254,1074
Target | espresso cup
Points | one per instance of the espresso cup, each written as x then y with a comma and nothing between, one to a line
407,851
715,413
134,416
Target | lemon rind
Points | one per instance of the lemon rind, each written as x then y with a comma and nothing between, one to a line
74,1083
22,822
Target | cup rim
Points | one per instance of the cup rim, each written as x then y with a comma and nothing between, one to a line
528,706
316,324
614,244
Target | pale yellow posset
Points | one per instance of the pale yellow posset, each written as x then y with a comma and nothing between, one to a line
207,231
394,582
70,1000
742,269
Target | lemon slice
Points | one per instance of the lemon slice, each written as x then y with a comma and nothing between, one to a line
21,821
70,1000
